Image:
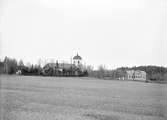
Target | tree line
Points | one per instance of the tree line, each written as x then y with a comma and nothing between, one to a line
155,73
12,66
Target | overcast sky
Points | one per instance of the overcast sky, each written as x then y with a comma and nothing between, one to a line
111,32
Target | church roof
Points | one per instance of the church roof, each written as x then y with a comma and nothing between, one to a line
77,57
60,65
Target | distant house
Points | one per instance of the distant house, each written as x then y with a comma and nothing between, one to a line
135,75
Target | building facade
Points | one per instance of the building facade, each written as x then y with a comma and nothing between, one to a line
135,75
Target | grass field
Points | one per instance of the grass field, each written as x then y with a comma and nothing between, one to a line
55,98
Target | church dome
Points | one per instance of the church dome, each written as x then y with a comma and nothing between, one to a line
77,57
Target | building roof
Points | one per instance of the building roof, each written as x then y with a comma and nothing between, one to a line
60,65
77,57
131,72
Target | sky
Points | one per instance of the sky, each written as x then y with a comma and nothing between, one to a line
113,33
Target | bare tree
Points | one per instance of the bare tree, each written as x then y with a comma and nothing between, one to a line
101,71
29,65
39,62
20,63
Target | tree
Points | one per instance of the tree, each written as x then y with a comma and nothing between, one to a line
29,65
10,65
13,66
101,71
6,65
89,70
39,62
21,63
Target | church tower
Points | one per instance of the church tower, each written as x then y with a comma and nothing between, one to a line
77,60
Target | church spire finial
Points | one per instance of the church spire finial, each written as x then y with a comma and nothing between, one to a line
77,57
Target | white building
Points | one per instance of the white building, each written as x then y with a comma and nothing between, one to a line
135,75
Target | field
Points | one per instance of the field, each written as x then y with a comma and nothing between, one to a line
60,98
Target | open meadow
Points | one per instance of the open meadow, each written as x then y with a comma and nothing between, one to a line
72,98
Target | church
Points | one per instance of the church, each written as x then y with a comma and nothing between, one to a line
75,68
